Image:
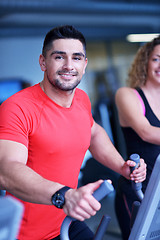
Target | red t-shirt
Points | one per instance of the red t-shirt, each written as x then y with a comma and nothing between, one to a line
57,139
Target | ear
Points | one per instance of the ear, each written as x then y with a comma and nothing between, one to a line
86,61
42,63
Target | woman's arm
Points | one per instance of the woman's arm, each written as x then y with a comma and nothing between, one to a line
131,115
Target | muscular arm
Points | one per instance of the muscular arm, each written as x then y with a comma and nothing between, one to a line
103,151
24,183
19,179
131,115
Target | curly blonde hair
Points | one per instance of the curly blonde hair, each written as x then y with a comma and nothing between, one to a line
137,74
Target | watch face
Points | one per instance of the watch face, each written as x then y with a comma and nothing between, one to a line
58,200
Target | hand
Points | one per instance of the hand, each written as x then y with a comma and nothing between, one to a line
138,175
80,203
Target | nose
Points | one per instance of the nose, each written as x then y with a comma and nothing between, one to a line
68,64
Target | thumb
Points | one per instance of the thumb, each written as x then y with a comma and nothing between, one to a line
130,163
94,186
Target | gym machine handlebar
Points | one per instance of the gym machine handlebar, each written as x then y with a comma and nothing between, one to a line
137,187
104,189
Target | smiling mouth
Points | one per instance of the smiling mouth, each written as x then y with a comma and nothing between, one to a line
67,75
158,73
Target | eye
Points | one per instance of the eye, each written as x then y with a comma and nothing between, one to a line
58,57
77,58
156,59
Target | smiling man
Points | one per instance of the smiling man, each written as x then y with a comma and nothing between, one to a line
45,131
63,65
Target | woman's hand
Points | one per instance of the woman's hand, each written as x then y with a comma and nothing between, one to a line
138,175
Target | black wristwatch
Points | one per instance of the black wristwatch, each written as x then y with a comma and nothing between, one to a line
58,199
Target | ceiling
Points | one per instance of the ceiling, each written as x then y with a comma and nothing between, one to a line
97,19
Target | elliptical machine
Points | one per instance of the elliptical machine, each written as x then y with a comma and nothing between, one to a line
104,189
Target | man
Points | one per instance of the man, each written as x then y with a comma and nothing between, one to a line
45,131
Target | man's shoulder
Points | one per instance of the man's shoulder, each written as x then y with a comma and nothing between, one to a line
23,95
27,92
23,101
82,98
81,93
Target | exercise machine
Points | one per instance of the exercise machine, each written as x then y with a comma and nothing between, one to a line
104,189
11,211
147,222
99,194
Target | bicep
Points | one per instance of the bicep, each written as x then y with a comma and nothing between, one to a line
13,151
129,108
99,139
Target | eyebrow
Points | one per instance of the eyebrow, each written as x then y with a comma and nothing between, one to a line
64,53
157,55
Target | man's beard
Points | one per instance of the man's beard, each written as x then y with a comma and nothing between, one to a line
65,85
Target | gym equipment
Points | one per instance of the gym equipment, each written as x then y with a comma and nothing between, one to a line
11,211
147,222
104,189
136,221
137,187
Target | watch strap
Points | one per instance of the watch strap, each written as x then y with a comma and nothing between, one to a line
58,198
63,190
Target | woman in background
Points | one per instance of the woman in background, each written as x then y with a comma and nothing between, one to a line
139,116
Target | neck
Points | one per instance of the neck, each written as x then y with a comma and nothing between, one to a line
60,97
152,89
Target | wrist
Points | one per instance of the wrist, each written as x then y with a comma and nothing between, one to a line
58,198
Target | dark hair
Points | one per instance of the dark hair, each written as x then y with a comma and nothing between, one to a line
138,71
62,32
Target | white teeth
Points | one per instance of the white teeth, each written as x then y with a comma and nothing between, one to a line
67,75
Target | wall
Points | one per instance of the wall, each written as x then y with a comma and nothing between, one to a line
20,59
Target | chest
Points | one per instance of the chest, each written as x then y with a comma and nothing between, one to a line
60,131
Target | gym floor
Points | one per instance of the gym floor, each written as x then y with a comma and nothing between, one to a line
107,208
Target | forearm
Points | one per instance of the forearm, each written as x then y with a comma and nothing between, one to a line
149,134
24,183
104,151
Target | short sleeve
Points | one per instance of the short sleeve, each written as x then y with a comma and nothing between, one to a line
13,123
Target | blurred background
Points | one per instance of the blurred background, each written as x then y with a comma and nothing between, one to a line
106,25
